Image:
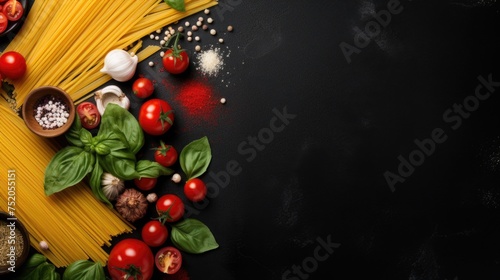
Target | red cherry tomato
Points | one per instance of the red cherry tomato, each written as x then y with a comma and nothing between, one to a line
143,87
170,207
133,257
175,62
168,260
13,11
166,155
154,233
12,65
145,184
4,22
156,116
195,190
89,115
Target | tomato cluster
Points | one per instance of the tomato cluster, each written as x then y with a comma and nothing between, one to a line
10,12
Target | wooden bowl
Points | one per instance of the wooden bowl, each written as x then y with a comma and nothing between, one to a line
40,96
20,234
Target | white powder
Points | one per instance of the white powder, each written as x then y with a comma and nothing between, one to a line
210,62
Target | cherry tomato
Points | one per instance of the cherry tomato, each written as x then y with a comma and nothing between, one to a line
4,22
133,257
168,260
154,233
195,189
170,207
89,115
156,116
12,65
175,61
145,184
166,155
18,10
143,87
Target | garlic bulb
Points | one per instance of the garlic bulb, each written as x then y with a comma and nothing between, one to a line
120,65
132,205
110,94
111,185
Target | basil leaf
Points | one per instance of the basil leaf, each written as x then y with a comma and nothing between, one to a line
67,168
118,118
176,5
86,137
73,134
120,164
193,236
47,271
84,269
95,183
28,269
42,271
151,169
195,157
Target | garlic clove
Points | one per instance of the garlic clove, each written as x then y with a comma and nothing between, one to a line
110,94
120,65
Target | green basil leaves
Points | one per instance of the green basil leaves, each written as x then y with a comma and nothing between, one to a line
112,150
84,269
178,5
193,236
195,157
37,267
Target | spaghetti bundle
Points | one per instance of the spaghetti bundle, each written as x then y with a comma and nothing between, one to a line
65,41
73,222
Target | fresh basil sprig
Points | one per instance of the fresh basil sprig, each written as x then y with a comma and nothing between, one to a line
195,157
112,150
178,5
193,236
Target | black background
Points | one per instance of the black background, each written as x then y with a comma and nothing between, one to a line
322,176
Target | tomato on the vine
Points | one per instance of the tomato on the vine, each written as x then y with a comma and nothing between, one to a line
175,60
13,10
195,190
168,260
170,207
166,155
131,258
143,87
156,116
12,65
145,184
88,114
154,233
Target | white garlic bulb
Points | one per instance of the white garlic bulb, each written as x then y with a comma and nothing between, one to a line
111,185
110,94
120,65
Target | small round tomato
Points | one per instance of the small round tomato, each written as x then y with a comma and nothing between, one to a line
156,116
12,65
166,155
13,10
145,184
154,233
89,115
195,190
170,207
143,87
130,259
4,22
168,260
175,61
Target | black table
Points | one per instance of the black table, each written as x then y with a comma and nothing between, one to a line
359,140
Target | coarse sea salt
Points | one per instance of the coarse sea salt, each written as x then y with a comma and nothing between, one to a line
210,62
